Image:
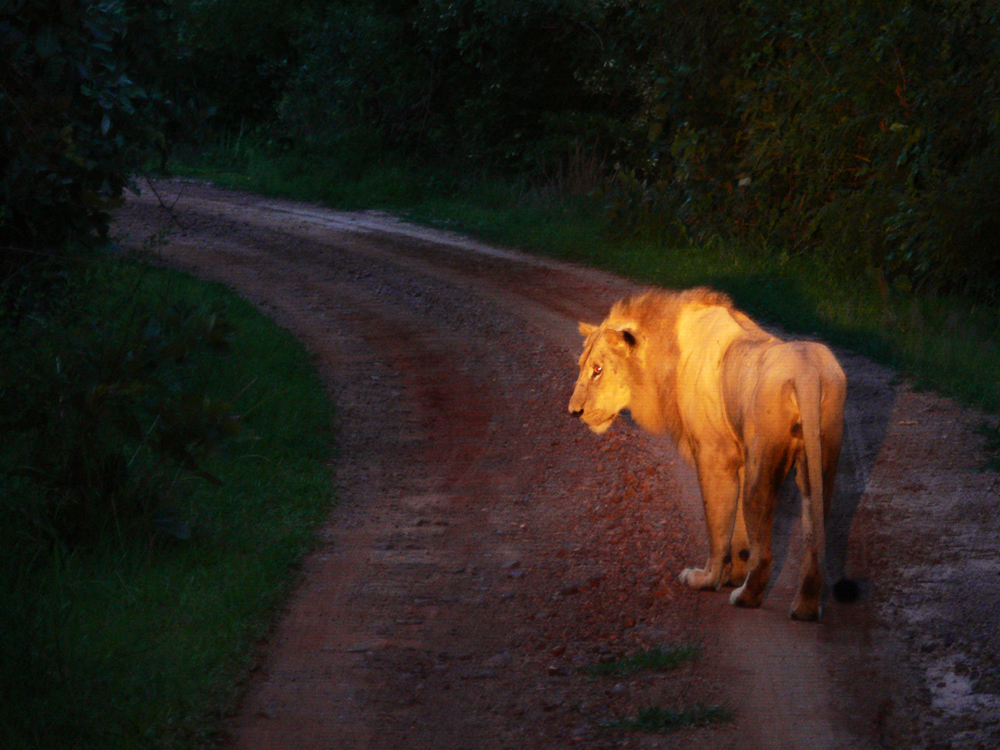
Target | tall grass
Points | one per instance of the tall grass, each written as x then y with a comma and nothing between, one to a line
143,642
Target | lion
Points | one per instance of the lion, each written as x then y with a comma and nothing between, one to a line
742,405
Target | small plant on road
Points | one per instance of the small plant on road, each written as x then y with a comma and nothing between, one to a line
649,660
656,719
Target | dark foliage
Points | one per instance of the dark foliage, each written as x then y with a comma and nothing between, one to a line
494,84
101,404
96,395
77,114
864,132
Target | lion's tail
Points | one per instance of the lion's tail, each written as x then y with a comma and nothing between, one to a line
809,389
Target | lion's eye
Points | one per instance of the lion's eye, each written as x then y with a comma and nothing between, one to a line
598,369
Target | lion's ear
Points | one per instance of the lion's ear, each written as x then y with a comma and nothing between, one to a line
623,341
586,329
625,336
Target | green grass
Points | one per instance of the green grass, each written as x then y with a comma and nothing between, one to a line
656,718
661,720
648,660
949,344
145,644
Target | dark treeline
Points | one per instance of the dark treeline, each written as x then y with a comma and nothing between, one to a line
864,132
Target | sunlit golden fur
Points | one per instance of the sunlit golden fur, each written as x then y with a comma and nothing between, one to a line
742,405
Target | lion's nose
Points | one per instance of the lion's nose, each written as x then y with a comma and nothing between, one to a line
575,412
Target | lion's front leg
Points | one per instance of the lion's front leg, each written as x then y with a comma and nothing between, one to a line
719,478
766,468
739,546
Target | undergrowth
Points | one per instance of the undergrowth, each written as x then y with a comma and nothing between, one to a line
168,469
656,718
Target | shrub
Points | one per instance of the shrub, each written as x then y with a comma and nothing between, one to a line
497,84
101,405
76,116
863,132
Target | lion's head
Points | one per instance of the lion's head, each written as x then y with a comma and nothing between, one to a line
602,388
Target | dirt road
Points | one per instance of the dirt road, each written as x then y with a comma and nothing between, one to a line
486,545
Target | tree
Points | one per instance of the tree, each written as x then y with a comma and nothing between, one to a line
77,114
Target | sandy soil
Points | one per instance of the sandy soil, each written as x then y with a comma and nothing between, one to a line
486,546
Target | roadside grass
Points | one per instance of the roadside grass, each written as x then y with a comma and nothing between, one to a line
145,643
947,343
349,177
647,660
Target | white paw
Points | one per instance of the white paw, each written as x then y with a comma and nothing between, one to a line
687,575
698,578
736,594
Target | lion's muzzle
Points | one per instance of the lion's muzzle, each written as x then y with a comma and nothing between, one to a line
577,402
597,423
575,410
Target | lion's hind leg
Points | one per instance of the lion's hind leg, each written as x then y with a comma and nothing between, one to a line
821,400
807,604
808,601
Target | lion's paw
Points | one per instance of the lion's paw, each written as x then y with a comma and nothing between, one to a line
698,578
806,609
741,597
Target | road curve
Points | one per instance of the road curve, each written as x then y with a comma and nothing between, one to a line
486,546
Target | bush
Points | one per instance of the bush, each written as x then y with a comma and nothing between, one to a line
145,644
101,406
76,116
863,132
511,85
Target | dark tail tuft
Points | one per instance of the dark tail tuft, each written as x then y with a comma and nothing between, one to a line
846,591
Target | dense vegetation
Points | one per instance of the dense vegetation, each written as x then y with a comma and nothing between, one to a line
864,134
157,483
747,143
133,590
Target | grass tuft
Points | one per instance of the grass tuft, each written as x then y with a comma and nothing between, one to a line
662,720
649,660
